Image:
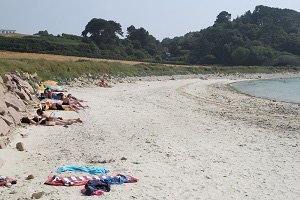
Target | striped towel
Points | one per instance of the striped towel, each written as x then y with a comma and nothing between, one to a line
4,180
82,180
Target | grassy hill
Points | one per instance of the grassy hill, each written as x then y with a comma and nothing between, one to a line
69,67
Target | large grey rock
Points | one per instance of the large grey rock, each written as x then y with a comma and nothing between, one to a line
4,128
11,85
2,89
3,107
22,94
6,78
3,110
20,146
34,98
15,115
28,87
22,84
37,195
13,101
8,119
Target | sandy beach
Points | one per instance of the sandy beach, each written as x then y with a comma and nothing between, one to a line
182,138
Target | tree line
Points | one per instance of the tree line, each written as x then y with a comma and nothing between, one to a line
266,36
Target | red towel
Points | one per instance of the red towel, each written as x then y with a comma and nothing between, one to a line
79,180
4,180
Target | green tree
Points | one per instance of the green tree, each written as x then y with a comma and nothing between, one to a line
42,33
141,39
103,32
240,56
223,17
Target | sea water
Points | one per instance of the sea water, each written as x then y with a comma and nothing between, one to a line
287,90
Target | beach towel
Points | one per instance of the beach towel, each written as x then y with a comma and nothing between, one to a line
5,180
51,85
54,87
90,170
82,180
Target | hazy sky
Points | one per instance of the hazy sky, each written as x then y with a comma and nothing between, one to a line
162,18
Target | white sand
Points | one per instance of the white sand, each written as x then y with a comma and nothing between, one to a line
184,139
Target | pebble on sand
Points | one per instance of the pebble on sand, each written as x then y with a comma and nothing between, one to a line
20,146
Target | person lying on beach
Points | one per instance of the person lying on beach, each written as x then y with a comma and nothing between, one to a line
68,100
103,84
27,120
75,99
34,121
46,119
51,94
59,106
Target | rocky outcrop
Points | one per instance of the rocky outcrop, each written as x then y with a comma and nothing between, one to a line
4,131
11,100
15,94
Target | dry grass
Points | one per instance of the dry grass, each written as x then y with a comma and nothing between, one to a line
17,55
16,35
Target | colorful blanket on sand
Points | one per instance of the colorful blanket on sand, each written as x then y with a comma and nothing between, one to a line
5,180
82,180
90,170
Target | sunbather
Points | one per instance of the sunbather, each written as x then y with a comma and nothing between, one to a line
69,100
59,106
33,120
103,84
45,119
51,94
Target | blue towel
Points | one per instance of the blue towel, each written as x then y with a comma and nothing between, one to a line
90,170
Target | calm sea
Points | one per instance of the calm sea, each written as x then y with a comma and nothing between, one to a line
287,90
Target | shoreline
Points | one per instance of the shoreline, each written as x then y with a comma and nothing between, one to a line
169,129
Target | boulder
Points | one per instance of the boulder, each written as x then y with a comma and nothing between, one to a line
13,101
34,98
29,177
4,128
11,85
37,195
2,89
8,119
20,146
28,87
7,78
22,84
2,110
22,94
3,107
15,115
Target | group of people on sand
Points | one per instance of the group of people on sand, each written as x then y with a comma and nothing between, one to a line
55,100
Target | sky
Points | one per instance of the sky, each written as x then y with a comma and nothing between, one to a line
161,18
